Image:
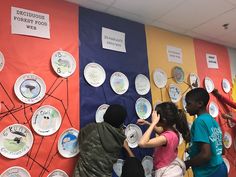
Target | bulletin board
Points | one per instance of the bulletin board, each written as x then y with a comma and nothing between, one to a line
27,54
217,75
131,63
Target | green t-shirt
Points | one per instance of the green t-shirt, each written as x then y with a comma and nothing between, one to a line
205,129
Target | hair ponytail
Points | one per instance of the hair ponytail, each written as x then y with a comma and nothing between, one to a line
182,125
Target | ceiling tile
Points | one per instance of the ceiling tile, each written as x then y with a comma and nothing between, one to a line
124,14
214,27
152,9
90,4
195,12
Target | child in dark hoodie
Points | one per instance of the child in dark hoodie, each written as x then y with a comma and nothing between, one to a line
100,144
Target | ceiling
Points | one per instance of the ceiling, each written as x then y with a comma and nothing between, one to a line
211,20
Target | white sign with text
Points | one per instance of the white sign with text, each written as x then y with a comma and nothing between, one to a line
212,61
174,54
113,40
31,23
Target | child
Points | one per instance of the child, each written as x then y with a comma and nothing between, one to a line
100,144
172,120
206,148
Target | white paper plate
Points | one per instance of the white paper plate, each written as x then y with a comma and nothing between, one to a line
194,80
29,88
2,61
147,164
68,143
94,74
142,84
184,104
63,63
100,112
143,108
15,141
174,93
213,109
160,78
181,140
117,167
46,120
15,171
178,74
58,173
226,85
133,134
227,140
227,164
209,84
119,83
186,156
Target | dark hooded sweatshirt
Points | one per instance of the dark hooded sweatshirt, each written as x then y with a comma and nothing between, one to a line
100,145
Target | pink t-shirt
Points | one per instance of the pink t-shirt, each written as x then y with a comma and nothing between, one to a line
164,155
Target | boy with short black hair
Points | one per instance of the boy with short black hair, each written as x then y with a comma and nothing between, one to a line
206,138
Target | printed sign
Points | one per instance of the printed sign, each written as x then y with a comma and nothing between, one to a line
212,61
31,23
113,40
174,54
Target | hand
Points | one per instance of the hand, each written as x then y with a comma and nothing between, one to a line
215,92
227,116
155,117
142,122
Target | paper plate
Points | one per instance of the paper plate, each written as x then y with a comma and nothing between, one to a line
142,84
58,173
143,108
213,109
178,74
119,83
186,156
94,74
63,63
226,85
209,84
147,164
117,167
15,141
68,144
2,61
227,164
160,78
29,88
133,134
194,80
46,120
100,113
184,104
15,171
227,140
174,93
181,140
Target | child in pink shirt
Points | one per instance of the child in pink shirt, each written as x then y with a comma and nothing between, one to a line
167,121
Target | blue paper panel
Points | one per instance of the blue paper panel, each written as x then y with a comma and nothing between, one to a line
131,63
